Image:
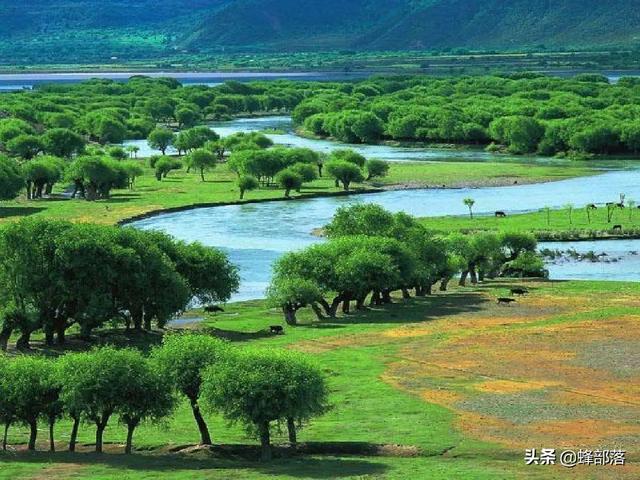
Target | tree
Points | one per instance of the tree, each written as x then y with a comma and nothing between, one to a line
258,388
94,386
160,139
7,406
376,168
469,202
345,172
187,117
148,396
25,146
182,359
291,294
11,179
247,183
62,142
132,150
117,153
41,175
164,165
289,180
590,208
31,387
202,160
569,208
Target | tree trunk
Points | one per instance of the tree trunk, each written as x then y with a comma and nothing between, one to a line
4,437
85,332
99,434
241,194
386,296
202,174
205,438
463,278
375,298
291,427
23,341
473,275
316,309
265,442
52,442
33,434
405,294
60,333
129,447
346,306
290,315
5,334
74,434
444,283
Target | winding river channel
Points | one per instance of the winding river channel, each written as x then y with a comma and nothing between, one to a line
254,235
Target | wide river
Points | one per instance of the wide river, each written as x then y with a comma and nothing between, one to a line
254,235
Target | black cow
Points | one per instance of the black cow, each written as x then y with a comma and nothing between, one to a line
505,301
276,329
213,309
592,206
617,229
519,291
501,214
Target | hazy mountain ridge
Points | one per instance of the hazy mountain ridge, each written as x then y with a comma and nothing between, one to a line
151,27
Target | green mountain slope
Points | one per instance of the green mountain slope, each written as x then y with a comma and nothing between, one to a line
90,30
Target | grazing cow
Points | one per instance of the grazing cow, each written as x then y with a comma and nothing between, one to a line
500,214
617,229
592,206
276,329
620,205
213,309
519,291
505,301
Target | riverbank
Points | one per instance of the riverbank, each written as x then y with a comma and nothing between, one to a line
575,224
181,190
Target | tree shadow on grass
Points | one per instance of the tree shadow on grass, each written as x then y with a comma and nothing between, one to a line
298,466
416,310
8,212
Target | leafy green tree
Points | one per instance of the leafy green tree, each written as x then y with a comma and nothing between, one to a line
182,359
160,139
11,179
306,171
25,146
62,142
258,388
291,294
8,409
41,175
164,165
376,168
289,180
202,160
133,170
345,172
30,386
94,386
148,396
247,183
117,153
469,203
187,117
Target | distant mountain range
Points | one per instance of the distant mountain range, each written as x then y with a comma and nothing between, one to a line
56,29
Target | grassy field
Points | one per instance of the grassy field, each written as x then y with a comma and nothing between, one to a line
184,189
445,387
561,224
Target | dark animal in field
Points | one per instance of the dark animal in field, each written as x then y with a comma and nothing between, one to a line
617,229
501,214
620,205
505,301
519,291
276,329
213,309
592,206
